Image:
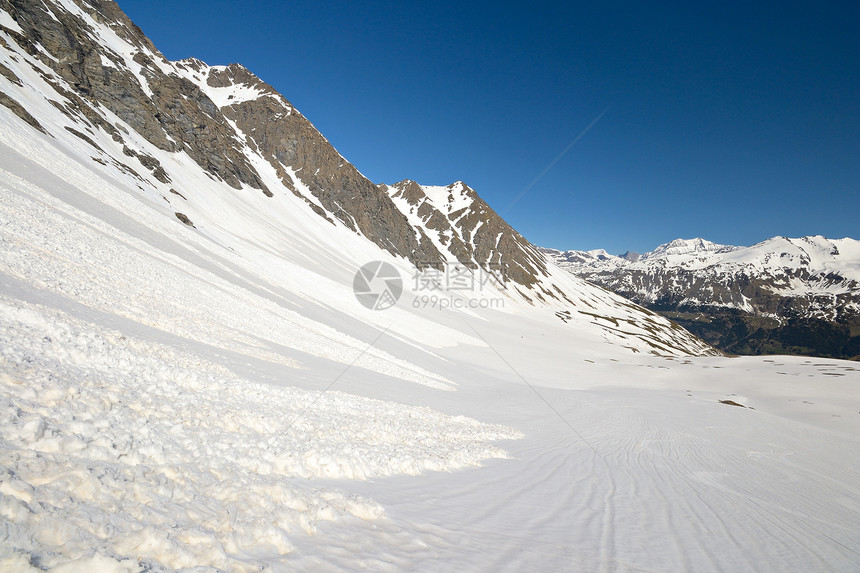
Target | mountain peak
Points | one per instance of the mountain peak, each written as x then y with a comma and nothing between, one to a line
810,283
192,62
686,247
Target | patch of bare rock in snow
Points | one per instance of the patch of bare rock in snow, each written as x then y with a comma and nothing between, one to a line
118,454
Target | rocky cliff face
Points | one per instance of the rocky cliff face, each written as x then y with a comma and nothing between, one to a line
272,127
169,111
460,222
780,296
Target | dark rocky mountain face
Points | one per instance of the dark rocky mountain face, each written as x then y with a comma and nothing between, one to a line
469,229
783,296
286,138
169,111
738,332
744,315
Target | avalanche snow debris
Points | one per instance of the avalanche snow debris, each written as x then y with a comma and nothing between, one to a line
113,446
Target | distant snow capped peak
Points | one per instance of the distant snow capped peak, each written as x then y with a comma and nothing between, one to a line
592,257
687,247
813,255
779,280
601,254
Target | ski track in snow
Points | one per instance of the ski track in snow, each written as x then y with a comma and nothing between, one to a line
741,491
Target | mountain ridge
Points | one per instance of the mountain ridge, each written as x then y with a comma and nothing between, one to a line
184,132
756,296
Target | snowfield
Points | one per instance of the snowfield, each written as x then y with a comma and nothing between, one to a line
133,448
161,413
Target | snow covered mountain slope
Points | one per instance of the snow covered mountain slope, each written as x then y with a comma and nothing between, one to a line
790,295
188,381
201,141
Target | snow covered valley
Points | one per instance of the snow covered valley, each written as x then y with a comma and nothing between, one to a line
160,413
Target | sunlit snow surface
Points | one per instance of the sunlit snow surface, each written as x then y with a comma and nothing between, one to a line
115,443
164,405
215,397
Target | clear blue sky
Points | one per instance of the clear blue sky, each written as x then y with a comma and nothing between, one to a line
730,121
